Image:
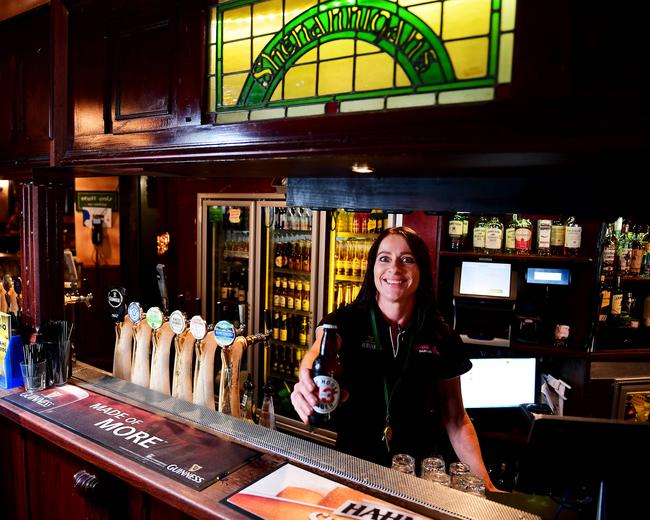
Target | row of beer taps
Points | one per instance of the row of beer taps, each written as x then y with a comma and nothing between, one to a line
143,347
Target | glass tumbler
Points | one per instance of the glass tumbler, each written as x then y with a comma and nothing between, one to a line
472,484
404,463
456,469
431,466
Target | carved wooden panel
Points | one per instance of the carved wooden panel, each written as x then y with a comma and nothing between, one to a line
25,85
143,77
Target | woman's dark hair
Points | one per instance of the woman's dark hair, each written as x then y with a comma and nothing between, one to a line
424,294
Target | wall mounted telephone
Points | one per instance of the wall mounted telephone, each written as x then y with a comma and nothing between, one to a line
97,234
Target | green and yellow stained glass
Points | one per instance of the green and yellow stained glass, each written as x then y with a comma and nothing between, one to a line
284,58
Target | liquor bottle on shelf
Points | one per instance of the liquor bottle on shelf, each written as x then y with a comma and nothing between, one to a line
572,237
302,337
347,260
291,289
636,255
557,237
617,301
283,291
510,231
276,326
456,232
464,215
356,261
605,299
338,257
283,328
523,236
494,236
277,289
478,235
543,241
610,245
624,251
306,257
305,296
297,298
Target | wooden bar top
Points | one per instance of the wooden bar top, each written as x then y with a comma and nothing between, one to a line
431,500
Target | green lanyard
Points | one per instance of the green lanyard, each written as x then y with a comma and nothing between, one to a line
387,434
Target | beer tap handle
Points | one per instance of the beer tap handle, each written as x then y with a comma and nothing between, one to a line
162,288
72,269
268,327
242,318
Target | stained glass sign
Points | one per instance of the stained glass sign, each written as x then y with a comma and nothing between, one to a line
284,58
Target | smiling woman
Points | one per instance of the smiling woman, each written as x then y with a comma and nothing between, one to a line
397,397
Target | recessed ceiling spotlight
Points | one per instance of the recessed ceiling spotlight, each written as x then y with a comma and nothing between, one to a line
362,168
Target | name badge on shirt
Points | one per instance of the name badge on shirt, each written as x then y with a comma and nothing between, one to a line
369,344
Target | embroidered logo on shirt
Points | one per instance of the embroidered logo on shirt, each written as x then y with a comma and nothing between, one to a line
427,349
369,344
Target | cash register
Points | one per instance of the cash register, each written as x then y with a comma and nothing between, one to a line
484,298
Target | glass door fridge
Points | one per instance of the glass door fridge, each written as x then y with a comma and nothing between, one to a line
348,235
226,263
288,245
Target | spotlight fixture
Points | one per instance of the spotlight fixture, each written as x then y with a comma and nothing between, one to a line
362,168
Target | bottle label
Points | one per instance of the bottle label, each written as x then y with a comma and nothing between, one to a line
543,234
479,237
510,238
572,237
329,394
617,304
523,238
609,257
493,239
455,228
557,236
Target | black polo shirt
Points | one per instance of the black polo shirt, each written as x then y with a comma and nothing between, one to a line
436,353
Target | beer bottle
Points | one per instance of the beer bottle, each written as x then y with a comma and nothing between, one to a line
283,328
326,369
246,408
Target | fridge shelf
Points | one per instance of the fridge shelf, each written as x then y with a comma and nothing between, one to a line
286,310
346,235
348,278
281,270
295,232
288,344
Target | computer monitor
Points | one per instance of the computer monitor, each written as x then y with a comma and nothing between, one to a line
500,382
604,459
548,276
486,280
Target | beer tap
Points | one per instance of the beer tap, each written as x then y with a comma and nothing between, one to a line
161,337
140,364
161,276
123,333
233,343
205,348
72,295
184,348
161,342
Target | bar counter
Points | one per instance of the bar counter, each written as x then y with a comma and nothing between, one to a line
25,481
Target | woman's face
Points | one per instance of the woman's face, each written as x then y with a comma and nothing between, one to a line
396,272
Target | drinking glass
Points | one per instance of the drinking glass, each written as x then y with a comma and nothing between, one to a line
431,466
33,375
456,469
470,483
404,463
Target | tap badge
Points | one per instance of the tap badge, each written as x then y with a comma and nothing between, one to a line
198,327
135,312
177,322
116,304
224,332
155,318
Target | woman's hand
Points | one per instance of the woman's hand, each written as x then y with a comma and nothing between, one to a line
304,396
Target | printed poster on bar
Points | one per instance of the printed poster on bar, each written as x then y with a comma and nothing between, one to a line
187,455
292,493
